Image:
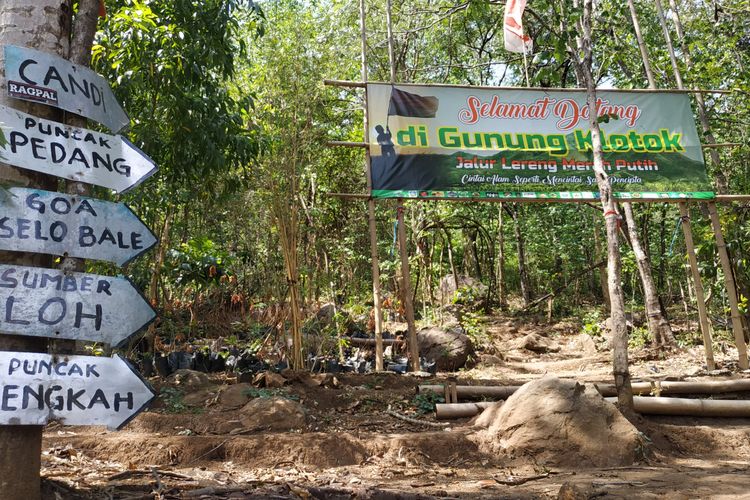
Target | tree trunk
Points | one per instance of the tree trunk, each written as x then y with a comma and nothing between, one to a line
583,68
520,248
42,25
500,259
659,327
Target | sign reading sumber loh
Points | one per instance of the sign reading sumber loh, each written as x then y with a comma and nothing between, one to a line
44,78
41,302
446,142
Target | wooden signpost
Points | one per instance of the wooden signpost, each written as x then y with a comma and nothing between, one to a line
72,153
42,302
47,222
75,390
44,78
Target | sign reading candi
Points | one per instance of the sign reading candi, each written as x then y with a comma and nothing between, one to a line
43,78
448,142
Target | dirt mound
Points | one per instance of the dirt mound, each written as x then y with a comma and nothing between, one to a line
563,423
274,414
448,348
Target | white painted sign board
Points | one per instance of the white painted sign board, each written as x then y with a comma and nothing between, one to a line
75,154
44,78
76,390
33,220
41,302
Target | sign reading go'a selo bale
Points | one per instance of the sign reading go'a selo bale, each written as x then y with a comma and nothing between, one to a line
33,220
72,153
76,390
42,302
43,78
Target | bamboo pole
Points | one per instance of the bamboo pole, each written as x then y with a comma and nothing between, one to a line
355,341
698,286
641,45
690,407
402,245
353,84
371,221
719,198
445,411
657,387
641,404
729,284
406,290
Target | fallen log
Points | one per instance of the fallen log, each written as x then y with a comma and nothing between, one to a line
445,411
356,341
606,390
689,407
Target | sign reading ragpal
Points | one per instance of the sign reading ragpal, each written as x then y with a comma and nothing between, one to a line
32,220
44,78
76,390
457,142
72,153
42,302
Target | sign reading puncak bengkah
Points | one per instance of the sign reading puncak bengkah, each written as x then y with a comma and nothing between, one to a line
457,142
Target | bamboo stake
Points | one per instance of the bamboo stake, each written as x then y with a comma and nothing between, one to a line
371,221
729,284
699,295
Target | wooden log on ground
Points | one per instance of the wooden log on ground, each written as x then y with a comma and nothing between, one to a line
606,390
355,341
689,407
445,411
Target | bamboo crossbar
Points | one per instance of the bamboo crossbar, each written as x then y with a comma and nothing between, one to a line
353,84
720,198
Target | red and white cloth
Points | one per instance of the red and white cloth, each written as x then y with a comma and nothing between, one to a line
515,40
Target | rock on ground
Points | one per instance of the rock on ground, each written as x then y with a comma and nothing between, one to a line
449,348
447,288
189,380
562,423
536,343
235,395
274,414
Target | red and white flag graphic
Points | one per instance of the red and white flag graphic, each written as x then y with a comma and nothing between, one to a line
515,40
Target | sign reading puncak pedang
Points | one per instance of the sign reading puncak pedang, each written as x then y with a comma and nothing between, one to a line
72,153
32,220
457,142
76,390
44,78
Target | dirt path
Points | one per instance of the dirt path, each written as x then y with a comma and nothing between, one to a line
350,447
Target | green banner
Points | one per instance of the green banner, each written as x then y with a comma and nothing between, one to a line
458,142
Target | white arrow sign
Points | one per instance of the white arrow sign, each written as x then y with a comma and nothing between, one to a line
38,221
42,302
76,390
40,77
76,154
